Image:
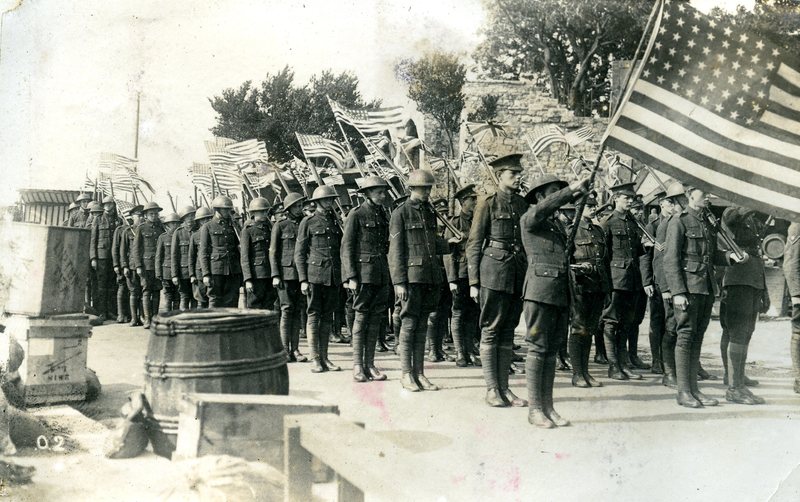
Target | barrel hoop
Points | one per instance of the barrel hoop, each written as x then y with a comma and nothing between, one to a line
226,325
215,368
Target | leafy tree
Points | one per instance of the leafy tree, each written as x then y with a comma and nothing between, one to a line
278,108
565,45
486,111
775,20
435,84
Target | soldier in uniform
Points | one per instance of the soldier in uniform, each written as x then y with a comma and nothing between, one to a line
256,234
496,266
624,247
284,275
104,225
650,268
637,213
465,321
318,261
164,262
199,292
79,217
416,274
591,284
91,298
123,294
132,280
219,256
689,259
144,260
744,296
439,319
70,214
179,246
365,269
791,270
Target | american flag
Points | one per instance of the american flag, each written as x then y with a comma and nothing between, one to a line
495,128
111,161
578,136
200,175
369,121
718,107
247,151
314,145
543,137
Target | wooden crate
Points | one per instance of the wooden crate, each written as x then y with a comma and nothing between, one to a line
45,268
54,368
247,426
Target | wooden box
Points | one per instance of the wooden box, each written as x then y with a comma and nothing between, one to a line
247,426
54,368
44,268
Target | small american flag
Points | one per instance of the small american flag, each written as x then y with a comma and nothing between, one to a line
369,121
200,175
578,136
111,161
314,145
543,137
716,106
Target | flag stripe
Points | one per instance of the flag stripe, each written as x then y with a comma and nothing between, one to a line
782,122
782,97
789,74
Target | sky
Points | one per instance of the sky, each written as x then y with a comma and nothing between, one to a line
70,72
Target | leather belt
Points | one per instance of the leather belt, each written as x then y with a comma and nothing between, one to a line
504,246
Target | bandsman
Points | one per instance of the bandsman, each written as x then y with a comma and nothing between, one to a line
181,239
219,256
256,234
144,261
164,262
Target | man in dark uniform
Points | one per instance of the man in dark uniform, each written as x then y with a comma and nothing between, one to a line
70,214
256,235
650,267
414,246
319,269
689,259
791,271
132,280
201,217
284,275
365,268
496,265
439,319
632,336
79,217
164,262
394,302
92,296
181,238
591,284
625,248
546,292
466,313
744,296
219,256
144,260
123,294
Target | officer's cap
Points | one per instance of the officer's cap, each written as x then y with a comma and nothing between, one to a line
510,162
135,209
624,189
465,192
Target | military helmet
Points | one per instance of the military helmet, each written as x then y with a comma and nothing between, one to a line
675,189
83,196
186,211
172,218
109,200
542,181
324,192
421,178
222,202
373,182
258,204
96,207
72,207
292,199
203,213
135,209
152,206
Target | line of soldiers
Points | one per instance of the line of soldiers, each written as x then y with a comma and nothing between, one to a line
572,278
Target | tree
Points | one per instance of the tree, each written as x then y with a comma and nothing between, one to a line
776,20
565,45
435,84
280,107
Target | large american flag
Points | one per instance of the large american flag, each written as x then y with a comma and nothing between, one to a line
314,145
717,107
369,121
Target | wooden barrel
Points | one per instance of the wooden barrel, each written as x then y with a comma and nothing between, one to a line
223,351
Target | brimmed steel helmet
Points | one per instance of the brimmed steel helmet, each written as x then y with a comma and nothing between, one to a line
421,178
186,211
172,218
203,213
152,206
222,202
258,204
292,199
324,192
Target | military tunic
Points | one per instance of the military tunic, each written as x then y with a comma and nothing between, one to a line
100,249
219,261
255,265
179,247
465,312
281,258
195,270
164,270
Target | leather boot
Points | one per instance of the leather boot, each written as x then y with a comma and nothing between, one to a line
134,304
683,356
490,373
147,304
381,344
547,392
657,367
456,328
441,332
504,357
576,356
156,299
702,374
695,361
285,328
600,356
324,343
312,332
359,335
419,363
736,361
294,337
397,325
794,349
534,375
120,305
748,382
373,332
564,361
610,342
405,346
633,350
586,348
623,362
723,350
668,357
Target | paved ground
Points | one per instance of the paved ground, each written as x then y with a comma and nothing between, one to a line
628,441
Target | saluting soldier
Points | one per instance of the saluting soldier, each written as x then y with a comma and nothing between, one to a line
164,262
496,265
625,247
744,296
464,323
791,270
591,284
417,276
181,238
144,260
123,294
219,256
319,269
104,225
546,293
199,291
256,234
284,274
689,259
126,261
365,269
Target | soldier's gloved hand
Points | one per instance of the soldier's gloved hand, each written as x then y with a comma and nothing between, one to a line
352,284
475,293
139,271
207,281
193,279
94,263
453,286
680,302
126,272
248,285
649,290
666,296
736,259
277,283
175,281
401,292
304,287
